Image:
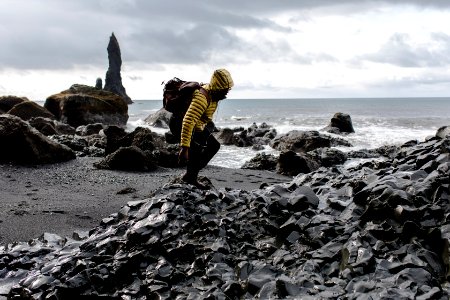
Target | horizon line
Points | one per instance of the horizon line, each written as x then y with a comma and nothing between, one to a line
309,98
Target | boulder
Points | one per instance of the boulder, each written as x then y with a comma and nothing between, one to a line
91,145
29,109
50,127
159,119
443,132
164,154
340,123
254,136
82,105
141,137
8,102
128,159
291,163
262,161
305,141
113,136
113,80
23,144
89,129
43,125
167,157
328,157
225,136
171,138
262,130
63,128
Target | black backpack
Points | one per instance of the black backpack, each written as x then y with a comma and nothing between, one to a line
177,97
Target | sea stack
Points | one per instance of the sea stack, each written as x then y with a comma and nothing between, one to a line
113,81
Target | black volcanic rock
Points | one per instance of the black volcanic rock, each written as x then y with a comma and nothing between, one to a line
23,144
113,80
8,102
340,123
29,109
159,119
262,161
373,231
129,159
443,132
82,105
291,163
305,141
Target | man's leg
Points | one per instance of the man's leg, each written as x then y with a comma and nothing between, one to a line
202,149
212,147
193,164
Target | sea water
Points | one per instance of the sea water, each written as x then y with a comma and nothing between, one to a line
377,121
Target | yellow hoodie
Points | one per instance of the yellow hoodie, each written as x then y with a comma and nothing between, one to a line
199,112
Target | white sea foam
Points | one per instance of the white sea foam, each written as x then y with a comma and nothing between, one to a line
235,157
240,118
132,125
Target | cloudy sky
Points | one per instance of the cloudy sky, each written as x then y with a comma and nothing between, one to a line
273,49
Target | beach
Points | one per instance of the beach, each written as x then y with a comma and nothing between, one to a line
352,220
75,196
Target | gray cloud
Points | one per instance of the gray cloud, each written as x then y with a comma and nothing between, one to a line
398,51
410,82
54,34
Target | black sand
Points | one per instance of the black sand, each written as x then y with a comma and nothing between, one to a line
66,197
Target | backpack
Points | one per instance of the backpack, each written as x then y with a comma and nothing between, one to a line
177,95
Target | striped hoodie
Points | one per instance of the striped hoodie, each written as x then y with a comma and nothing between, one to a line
199,112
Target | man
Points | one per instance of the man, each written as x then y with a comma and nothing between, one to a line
198,145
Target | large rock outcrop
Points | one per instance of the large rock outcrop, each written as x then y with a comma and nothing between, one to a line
21,143
82,105
113,80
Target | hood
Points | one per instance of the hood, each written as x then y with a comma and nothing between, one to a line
221,80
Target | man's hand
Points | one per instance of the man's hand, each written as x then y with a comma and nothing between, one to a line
183,155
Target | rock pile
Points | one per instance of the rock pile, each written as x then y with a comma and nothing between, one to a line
378,230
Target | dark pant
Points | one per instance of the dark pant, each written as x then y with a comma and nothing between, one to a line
203,148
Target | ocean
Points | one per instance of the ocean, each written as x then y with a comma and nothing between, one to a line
377,121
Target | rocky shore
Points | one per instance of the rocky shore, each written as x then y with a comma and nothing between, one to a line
378,230
90,211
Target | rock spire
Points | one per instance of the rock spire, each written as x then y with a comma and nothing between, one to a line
113,81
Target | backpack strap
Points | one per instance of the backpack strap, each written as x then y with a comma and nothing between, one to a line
206,94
